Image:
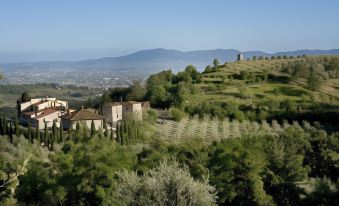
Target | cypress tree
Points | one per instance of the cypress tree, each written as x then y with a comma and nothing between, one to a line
105,129
126,133
54,131
51,148
29,133
70,134
101,134
79,134
118,133
45,134
11,132
131,129
48,140
122,132
112,134
5,125
17,129
61,133
1,126
33,135
77,126
51,142
85,131
93,128
37,133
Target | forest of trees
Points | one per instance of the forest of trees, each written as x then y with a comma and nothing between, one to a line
297,167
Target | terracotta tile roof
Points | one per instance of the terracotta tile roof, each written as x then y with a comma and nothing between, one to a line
28,113
83,114
45,112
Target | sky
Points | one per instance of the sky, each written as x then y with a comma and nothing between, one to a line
79,29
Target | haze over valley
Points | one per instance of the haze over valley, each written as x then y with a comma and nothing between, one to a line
121,71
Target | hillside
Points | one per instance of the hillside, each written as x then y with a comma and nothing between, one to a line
152,60
219,85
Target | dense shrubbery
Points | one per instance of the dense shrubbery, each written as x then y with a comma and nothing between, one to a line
259,169
177,114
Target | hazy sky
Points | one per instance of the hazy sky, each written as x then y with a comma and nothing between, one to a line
78,29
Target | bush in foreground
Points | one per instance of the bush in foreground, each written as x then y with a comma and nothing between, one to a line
167,184
177,114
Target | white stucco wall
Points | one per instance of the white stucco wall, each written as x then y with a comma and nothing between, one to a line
112,114
72,124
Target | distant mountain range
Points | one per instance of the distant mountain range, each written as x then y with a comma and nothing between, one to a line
152,60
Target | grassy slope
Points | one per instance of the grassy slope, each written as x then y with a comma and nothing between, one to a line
329,93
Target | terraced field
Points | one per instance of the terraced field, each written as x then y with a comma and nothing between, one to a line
215,130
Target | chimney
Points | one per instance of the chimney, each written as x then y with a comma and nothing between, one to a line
120,98
82,107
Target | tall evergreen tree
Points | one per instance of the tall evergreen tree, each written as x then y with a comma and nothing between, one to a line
11,132
48,139
29,133
70,134
5,125
100,133
61,133
93,131
112,134
85,131
118,133
51,144
37,134
105,128
1,126
45,134
79,132
54,131
33,135
17,129
123,132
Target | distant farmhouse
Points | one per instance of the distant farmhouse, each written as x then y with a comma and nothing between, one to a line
41,111
241,57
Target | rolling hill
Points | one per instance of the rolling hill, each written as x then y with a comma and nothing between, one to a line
152,60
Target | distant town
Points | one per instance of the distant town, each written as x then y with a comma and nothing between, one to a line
94,79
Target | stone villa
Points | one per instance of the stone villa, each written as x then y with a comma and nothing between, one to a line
115,111
84,116
45,111
41,111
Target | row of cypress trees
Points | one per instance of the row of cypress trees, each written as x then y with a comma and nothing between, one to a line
9,128
82,132
128,132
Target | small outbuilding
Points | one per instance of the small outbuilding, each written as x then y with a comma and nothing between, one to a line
241,57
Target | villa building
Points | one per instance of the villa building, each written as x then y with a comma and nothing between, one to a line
42,111
115,111
84,117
